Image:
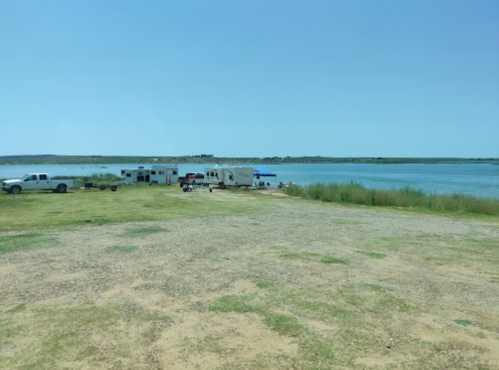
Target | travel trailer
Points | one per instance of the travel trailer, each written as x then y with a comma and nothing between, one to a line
157,174
227,176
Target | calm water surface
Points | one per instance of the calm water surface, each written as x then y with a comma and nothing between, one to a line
477,179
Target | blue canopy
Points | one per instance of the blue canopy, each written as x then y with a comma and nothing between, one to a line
260,171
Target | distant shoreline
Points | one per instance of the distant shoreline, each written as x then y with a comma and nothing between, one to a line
61,159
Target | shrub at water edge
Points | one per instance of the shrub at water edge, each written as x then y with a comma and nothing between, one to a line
404,197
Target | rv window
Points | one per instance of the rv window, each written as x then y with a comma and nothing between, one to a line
231,177
128,175
161,172
212,174
122,172
174,172
153,172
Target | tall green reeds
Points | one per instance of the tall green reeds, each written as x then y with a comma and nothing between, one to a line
404,197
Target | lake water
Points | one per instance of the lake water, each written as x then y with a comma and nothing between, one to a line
476,179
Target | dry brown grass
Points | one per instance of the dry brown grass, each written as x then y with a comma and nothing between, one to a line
217,293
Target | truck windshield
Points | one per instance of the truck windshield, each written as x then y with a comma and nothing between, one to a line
25,176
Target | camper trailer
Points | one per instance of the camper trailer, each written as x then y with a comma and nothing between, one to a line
157,174
228,176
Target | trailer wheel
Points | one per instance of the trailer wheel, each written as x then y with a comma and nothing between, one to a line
61,188
15,190
114,188
102,187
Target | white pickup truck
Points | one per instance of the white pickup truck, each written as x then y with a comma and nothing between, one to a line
36,181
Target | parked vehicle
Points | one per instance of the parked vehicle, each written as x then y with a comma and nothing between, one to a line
36,181
157,174
192,178
89,185
228,176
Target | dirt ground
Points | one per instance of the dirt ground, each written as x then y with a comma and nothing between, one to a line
183,271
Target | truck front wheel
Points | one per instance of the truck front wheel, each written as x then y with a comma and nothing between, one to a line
15,190
60,188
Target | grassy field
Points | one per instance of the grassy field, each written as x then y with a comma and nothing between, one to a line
42,210
153,278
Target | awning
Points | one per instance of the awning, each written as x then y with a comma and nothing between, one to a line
260,171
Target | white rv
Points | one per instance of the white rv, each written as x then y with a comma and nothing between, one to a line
157,174
227,176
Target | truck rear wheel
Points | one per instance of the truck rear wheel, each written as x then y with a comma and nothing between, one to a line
114,188
61,188
15,190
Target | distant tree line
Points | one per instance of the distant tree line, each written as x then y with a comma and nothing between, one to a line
210,158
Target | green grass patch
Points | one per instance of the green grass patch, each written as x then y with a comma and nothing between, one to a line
308,256
24,242
233,303
18,308
329,259
463,322
374,255
476,334
122,248
144,231
284,325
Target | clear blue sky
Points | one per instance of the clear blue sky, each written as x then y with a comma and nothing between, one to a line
391,78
